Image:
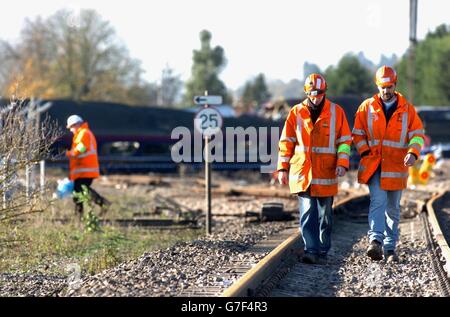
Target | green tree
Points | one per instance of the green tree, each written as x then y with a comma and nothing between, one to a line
349,77
208,62
432,62
256,91
309,68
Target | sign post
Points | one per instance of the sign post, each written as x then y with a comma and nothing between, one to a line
208,121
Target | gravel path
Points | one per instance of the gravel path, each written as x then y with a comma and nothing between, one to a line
166,272
171,271
187,265
350,272
30,284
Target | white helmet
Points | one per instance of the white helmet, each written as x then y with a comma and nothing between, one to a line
73,119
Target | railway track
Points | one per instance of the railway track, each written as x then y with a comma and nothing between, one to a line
438,236
226,263
249,259
348,271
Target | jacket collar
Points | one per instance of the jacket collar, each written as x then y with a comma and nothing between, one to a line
305,112
82,127
402,103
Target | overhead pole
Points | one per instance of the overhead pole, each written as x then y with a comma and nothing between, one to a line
412,47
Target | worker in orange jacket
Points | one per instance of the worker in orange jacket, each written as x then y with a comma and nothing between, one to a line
388,135
314,149
83,162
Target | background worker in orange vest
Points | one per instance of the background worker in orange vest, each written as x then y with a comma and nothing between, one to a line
83,162
388,135
314,149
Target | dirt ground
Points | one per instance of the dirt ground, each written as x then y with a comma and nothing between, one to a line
56,235
174,194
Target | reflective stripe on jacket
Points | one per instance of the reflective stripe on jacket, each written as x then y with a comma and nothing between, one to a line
83,159
311,152
388,143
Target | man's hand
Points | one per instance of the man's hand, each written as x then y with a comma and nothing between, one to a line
340,171
283,177
410,159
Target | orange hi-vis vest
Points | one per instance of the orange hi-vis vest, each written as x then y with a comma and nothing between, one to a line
83,155
388,143
311,152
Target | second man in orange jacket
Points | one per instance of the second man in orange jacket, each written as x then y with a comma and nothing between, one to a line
388,135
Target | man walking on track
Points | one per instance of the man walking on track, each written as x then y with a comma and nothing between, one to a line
388,135
84,167
314,149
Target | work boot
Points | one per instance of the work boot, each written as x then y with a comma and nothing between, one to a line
309,258
391,256
375,252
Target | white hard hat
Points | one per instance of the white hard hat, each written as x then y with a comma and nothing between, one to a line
73,119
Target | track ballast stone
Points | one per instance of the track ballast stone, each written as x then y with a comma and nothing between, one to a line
171,271
350,272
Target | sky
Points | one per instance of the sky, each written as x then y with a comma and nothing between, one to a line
273,37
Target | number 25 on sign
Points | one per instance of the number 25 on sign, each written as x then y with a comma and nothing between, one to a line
208,121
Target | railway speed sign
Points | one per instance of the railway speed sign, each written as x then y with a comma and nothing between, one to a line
208,121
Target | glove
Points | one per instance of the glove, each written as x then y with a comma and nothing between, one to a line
410,159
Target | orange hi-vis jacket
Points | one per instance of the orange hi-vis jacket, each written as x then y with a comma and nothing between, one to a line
311,152
83,154
388,143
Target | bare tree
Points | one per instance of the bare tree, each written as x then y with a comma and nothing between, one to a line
170,87
25,140
72,56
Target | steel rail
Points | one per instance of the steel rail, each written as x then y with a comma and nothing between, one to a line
261,273
437,232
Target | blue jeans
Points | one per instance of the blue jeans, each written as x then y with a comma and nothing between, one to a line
316,222
384,213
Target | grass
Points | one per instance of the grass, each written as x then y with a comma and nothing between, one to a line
45,246
52,248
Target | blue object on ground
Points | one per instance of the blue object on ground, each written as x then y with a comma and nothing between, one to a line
65,188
